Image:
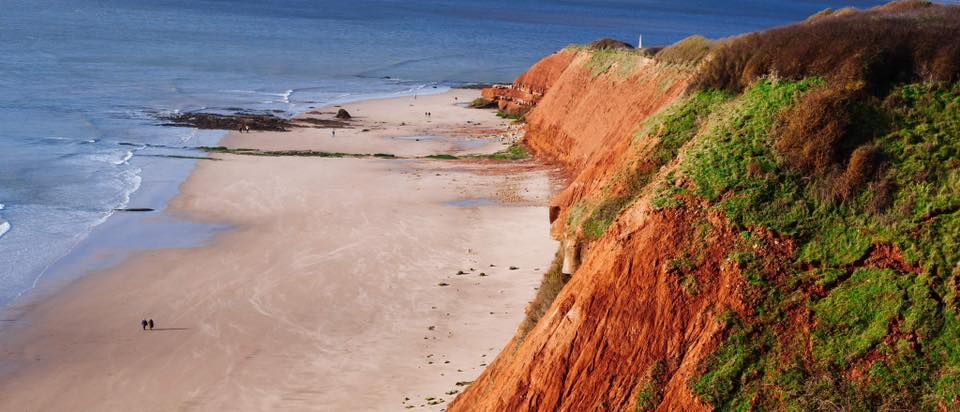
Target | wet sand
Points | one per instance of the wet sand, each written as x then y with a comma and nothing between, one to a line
337,287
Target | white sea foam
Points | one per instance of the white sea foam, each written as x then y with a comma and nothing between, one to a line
4,225
284,97
125,159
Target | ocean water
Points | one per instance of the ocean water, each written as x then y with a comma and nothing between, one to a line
81,81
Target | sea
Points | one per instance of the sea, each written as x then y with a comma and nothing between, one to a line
83,81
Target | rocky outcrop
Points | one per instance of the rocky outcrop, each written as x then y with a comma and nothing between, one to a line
236,121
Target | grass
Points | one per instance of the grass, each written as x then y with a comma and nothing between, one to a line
600,219
906,322
689,51
672,129
516,117
651,387
842,136
856,315
623,62
482,103
514,152
553,282
678,124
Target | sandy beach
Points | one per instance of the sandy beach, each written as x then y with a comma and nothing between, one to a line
344,284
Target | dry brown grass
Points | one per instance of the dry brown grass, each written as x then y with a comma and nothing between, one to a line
861,55
896,43
551,285
689,51
811,134
861,169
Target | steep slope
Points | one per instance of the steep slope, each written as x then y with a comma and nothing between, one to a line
784,235
587,123
529,88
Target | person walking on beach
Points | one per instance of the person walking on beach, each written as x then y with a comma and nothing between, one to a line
143,323
151,324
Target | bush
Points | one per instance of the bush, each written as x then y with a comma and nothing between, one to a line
551,285
689,51
898,43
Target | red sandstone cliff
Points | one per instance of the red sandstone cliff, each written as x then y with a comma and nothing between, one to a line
529,88
623,315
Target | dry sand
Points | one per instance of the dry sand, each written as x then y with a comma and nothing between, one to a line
336,289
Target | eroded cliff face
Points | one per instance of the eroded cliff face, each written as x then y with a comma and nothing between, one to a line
783,236
529,88
626,323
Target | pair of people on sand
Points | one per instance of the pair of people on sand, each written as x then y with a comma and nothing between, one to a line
144,323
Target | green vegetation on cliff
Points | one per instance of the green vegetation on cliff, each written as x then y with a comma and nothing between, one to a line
875,270
840,138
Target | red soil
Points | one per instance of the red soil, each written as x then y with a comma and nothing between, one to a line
623,311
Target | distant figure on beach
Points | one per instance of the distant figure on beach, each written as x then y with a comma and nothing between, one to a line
246,128
333,133
240,128
151,324
143,323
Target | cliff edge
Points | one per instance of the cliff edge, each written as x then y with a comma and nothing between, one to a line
767,222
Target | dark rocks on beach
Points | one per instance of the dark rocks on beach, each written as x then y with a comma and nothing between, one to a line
321,123
343,114
134,209
514,268
253,121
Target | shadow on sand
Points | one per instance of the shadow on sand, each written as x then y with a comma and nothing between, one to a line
163,329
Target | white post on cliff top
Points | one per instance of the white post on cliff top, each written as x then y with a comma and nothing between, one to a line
640,42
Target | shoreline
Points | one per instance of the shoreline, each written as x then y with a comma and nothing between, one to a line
358,279
98,251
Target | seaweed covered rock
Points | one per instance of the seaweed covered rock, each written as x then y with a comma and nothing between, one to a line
236,121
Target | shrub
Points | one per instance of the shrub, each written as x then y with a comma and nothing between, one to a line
651,387
811,134
898,43
551,285
862,168
689,51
